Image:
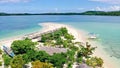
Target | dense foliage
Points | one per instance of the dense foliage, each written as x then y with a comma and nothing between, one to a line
6,59
0,51
112,13
58,60
0,63
44,57
22,46
60,37
17,61
29,54
33,55
38,64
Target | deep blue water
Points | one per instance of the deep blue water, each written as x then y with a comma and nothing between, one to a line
107,26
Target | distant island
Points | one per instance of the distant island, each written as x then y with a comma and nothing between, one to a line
102,13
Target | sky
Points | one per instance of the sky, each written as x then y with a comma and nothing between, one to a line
45,6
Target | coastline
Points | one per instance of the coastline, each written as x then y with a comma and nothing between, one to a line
79,35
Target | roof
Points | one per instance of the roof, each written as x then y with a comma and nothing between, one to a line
82,66
52,50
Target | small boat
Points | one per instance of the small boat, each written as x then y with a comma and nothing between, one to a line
8,51
92,36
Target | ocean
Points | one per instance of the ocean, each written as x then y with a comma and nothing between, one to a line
108,27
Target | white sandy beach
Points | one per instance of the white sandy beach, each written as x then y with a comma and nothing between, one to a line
81,36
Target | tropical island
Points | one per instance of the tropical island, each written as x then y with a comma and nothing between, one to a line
101,13
58,47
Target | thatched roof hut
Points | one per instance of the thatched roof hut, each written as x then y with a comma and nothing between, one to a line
82,66
52,50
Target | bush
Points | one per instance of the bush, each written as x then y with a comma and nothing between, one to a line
17,61
0,63
22,46
58,60
33,55
38,64
70,55
64,30
68,36
70,65
94,61
0,51
80,60
6,59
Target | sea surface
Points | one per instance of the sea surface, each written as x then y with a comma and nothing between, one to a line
108,27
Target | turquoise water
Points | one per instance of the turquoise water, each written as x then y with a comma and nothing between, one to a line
109,34
108,27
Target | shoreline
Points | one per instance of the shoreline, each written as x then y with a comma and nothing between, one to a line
79,35
109,62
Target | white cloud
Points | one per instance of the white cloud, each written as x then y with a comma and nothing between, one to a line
111,8
14,1
108,1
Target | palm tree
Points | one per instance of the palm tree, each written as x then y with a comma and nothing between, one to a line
86,51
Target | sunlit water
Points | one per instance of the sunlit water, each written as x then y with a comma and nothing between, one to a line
108,27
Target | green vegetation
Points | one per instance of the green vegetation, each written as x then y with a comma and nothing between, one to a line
57,38
33,55
94,62
22,46
58,60
110,13
0,51
0,63
6,59
26,52
17,61
38,64
85,51
44,57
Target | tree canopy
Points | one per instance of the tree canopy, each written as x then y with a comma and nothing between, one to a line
109,13
38,64
22,46
17,61
6,59
58,59
33,55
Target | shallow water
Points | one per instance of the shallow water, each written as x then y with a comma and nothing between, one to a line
108,27
109,35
